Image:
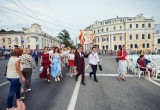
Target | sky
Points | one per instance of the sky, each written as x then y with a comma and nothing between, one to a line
72,15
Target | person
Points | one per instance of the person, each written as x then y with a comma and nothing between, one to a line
56,64
71,57
14,74
62,61
122,67
36,56
45,63
80,64
20,106
27,64
51,52
143,65
93,61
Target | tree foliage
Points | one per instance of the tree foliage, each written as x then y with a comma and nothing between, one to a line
66,39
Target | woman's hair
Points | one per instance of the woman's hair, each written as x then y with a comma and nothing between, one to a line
55,49
17,52
141,56
121,47
71,51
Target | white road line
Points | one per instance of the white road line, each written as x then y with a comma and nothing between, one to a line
154,82
112,75
73,100
4,83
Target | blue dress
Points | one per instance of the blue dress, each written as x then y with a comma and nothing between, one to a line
56,67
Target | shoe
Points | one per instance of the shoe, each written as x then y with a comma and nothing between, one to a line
83,84
123,79
56,79
49,81
29,90
90,74
96,80
22,90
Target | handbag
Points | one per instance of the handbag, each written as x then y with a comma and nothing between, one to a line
100,67
117,59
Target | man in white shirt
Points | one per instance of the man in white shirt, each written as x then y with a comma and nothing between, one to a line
93,61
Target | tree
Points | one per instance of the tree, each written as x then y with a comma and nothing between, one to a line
66,39
2,30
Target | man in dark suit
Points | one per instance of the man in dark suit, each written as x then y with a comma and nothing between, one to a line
80,63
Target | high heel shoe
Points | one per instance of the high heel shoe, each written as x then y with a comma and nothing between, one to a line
58,79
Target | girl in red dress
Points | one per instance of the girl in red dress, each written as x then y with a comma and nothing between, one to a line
45,63
71,57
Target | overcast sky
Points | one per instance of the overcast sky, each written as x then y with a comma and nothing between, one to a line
73,15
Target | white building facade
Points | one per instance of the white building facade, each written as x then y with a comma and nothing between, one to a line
32,38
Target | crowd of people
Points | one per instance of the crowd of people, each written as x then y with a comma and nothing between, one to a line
52,62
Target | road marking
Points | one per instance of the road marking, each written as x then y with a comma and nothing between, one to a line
4,83
73,100
154,82
87,74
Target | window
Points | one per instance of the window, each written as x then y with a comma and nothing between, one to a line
135,46
94,31
119,46
107,47
136,25
143,36
142,25
120,38
148,45
114,38
101,23
28,40
131,46
98,39
136,36
149,25
9,40
130,36
143,45
3,40
115,47
114,27
36,39
149,36
98,30
107,39
106,29
102,29
158,41
130,25
16,40
120,27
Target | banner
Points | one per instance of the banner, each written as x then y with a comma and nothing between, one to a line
86,37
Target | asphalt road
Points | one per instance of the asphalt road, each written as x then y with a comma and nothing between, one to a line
107,94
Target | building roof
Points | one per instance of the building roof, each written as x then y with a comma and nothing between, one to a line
11,32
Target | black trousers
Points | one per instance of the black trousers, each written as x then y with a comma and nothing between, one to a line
36,60
81,69
94,70
27,73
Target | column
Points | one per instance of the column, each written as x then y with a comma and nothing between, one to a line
111,37
109,42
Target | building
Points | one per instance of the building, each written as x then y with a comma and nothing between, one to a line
157,38
33,38
137,33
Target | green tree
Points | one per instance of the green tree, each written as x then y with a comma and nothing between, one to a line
66,39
